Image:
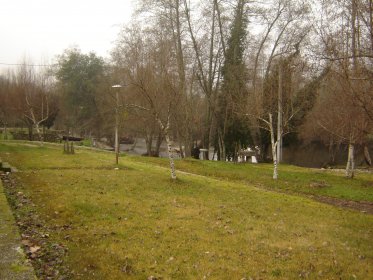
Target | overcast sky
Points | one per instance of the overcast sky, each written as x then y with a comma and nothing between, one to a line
41,29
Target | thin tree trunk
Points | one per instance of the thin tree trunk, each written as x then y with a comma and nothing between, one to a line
40,134
354,34
170,156
331,152
149,142
350,168
180,144
274,149
158,144
30,132
166,130
371,22
221,146
5,131
279,117
367,156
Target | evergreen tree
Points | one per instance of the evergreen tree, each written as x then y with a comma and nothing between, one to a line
233,93
79,76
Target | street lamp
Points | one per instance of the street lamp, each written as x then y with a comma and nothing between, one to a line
117,123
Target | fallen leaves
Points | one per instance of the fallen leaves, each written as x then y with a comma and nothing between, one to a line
46,257
34,249
31,248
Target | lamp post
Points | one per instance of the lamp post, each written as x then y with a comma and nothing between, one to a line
117,87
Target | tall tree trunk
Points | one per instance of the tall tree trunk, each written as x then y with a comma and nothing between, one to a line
179,140
170,156
371,22
5,131
208,79
274,148
149,143
279,117
354,34
208,127
221,143
158,144
30,132
166,130
350,168
331,152
368,159
351,148
40,134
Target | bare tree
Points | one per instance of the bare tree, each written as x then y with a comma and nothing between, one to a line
5,105
34,94
152,82
345,32
209,50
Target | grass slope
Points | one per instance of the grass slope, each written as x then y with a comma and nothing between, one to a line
291,178
134,222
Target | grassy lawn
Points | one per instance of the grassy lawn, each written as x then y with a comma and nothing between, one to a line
9,136
291,178
135,222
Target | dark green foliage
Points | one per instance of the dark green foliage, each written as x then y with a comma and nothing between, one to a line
79,75
304,100
234,70
48,123
306,97
237,137
233,91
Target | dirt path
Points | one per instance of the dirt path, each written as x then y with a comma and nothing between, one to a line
362,206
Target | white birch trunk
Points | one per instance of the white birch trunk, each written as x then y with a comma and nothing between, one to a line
33,118
168,142
274,148
350,168
170,156
40,134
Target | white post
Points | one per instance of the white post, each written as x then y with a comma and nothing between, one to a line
116,129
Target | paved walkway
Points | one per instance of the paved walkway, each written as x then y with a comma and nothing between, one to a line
13,264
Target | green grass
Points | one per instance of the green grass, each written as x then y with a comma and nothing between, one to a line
9,136
135,222
291,178
86,143
19,267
